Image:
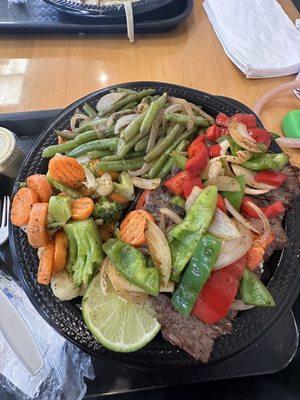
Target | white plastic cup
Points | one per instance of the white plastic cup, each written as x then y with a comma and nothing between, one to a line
11,154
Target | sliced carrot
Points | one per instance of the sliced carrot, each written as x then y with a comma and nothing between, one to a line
67,170
106,231
118,198
114,174
46,264
132,229
256,252
36,229
60,252
142,199
39,183
82,208
21,206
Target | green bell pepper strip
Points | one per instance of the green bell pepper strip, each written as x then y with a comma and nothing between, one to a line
234,147
177,201
254,292
267,161
131,264
196,273
59,208
184,238
63,188
179,159
236,198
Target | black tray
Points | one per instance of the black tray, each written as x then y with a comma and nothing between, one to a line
272,352
37,17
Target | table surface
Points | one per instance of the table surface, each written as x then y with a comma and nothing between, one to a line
45,72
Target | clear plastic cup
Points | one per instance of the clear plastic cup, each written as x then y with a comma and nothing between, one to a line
11,154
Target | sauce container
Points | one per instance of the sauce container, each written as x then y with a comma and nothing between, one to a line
11,154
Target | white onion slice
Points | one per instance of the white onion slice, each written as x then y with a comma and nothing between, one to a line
234,249
255,192
202,113
108,100
159,251
292,143
215,169
223,227
239,217
162,222
124,121
149,184
230,159
244,154
224,183
196,191
75,118
187,108
265,222
143,170
249,178
171,214
239,305
239,133
225,144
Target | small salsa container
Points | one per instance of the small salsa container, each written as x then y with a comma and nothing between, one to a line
11,154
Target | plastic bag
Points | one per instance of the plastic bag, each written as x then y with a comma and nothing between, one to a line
66,366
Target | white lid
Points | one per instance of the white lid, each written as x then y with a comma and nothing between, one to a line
7,144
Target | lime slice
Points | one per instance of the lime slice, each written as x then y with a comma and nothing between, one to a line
116,323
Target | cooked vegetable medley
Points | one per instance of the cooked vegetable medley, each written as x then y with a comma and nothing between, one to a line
146,193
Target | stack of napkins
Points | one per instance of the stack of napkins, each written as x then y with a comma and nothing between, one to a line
256,35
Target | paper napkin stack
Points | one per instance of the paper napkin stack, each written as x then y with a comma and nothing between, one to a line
256,35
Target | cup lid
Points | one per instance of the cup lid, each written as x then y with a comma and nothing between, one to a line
7,144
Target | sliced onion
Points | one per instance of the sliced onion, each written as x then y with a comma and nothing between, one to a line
216,169
239,217
159,250
244,155
255,192
171,214
225,144
154,131
224,183
143,183
124,121
104,277
239,133
162,222
77,117
234,249
223,227
202,113
172,108
230,159
187,108
196,191
265,222
249,178
289,142
90,180
239,305
143,170
107,101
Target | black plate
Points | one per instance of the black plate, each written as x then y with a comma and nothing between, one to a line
159,354
112,10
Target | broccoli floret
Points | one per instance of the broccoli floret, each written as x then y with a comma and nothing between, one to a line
107,210
125,186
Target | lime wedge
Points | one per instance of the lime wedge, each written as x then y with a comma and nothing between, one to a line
117,324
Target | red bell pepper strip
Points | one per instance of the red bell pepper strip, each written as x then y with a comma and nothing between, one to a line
214,132
248,119
175,183
270,178
222,119
219,292
261,136
198,162
214,151
189,183
269,211
221,204
194,146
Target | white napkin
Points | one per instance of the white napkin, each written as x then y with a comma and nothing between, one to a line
256,35
65,366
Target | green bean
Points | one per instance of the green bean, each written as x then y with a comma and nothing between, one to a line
90,112
88,126
85,137
50,151
98,154
160,148
126,90
121,165
113,157
152,113
130,106
133,128
157,166
184,119
169,164
125,101
68,135
124,148
102,144
142,144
